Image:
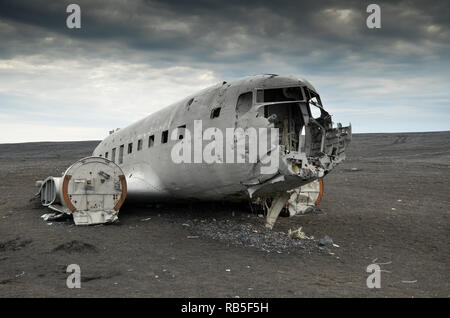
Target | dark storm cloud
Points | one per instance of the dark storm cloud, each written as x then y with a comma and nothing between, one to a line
211,31
176,47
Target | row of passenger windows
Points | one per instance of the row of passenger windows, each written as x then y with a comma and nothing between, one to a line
215,113
150,143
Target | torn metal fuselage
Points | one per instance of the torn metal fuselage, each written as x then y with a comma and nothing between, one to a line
306,148
300,131
309,145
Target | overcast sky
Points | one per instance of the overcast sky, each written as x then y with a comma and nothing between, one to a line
131,58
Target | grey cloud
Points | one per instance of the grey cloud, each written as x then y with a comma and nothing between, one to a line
327,41
206,30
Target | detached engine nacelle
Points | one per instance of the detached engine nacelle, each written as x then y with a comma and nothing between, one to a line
92,190
306,198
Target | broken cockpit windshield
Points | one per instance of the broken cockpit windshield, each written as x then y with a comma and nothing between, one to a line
290,109
284,94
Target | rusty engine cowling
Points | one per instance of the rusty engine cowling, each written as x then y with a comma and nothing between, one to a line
92,190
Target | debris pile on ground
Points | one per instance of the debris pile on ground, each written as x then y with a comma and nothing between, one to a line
326,241
54,216
299,234
249,235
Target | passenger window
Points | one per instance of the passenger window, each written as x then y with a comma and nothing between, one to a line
151,141
106,155
181,131
113,155
130,147
121,154
215,113
165,136
244,103
139,144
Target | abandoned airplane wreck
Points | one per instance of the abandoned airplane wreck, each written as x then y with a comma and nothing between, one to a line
264,138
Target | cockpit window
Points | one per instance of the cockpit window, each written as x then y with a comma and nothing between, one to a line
312,97
314,102
315,112
283,94
244,103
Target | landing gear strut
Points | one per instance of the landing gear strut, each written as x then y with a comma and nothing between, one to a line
278,203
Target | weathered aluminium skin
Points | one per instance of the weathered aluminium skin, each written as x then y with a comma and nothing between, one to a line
151,174
305,146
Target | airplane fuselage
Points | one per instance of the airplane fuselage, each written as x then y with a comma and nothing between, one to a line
307,147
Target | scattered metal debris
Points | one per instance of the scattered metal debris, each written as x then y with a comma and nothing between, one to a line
53,216
325,241
386,263
21,274
244,234
299,234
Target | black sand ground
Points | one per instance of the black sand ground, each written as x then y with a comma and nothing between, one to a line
387,203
